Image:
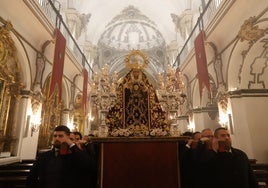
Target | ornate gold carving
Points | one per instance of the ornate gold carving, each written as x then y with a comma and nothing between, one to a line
137,108
251,32
3,52
11,87
37,100
223,102
7,47
9,70
136,59
51,116
78,114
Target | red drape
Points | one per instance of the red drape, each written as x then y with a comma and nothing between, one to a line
201,63
58,64
139,165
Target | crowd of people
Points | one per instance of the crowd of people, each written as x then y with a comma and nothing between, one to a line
208,160
71,162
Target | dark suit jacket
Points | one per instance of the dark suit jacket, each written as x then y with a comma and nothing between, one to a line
227,170
63,171
187,167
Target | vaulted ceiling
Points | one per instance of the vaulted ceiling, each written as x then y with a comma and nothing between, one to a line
117,26
158,11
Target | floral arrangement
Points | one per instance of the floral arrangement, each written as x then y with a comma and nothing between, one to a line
121,133
158,132
138,132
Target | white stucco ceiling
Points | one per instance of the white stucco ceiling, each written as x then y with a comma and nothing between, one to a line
103,11
114,27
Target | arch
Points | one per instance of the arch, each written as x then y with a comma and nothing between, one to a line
23,62
247,63
66,93
10,90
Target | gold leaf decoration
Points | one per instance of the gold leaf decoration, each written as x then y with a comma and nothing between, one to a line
136,60
251,32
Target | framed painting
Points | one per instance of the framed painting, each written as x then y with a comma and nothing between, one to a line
2,89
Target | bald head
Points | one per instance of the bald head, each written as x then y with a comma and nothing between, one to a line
207,133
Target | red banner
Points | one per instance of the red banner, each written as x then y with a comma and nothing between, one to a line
58,63
84,99
201,63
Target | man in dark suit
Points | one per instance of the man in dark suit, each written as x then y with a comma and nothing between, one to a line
197,149
64,166
185,160
227,166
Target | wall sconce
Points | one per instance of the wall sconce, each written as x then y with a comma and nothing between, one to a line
223,111
90,118
35,127
191,126
224,120
36,116
70,122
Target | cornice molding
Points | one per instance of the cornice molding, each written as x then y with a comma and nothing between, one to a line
248,93
205,109
183,117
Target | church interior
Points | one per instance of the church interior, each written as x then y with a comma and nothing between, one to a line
132,71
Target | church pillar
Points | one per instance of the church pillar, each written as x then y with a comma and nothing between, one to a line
205,117
249,122
28,136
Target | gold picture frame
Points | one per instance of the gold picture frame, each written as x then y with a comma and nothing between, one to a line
2,89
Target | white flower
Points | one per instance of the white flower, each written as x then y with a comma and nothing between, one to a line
158,132
121,133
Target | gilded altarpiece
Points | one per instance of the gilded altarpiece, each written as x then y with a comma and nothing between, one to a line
137,107
10,88
51,117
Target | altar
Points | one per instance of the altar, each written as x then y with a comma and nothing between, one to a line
139,162
138,133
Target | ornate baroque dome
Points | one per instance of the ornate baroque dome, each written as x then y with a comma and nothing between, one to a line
131,30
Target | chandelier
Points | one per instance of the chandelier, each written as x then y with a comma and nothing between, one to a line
103,95
171,95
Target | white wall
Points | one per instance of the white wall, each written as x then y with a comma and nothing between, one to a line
250,126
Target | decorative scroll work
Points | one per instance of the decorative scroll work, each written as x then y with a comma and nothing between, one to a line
255,33
11,86
51,114
136,100
137,110
251,32
136,60
137,107
9,69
